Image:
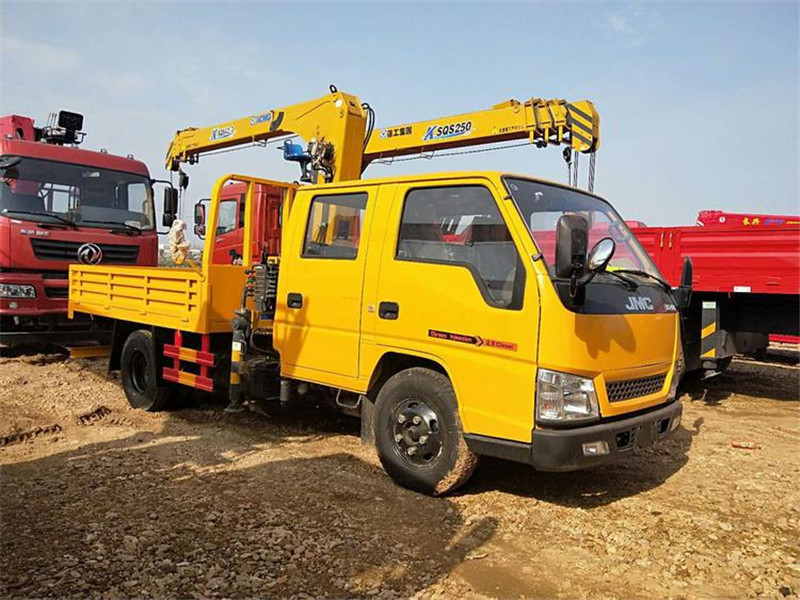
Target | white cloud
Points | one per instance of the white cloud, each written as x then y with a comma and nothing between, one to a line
37,57
633,24
617,23
122,82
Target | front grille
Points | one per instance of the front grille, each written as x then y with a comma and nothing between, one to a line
634,388
61,250
57,292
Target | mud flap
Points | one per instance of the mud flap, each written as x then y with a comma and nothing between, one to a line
367,421
716,344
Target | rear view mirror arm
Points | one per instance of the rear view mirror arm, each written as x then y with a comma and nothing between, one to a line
683,293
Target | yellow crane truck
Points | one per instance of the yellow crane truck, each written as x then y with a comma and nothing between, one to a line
458,314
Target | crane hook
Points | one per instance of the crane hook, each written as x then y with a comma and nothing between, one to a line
567,154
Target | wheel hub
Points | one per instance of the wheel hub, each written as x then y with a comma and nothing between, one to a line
416,432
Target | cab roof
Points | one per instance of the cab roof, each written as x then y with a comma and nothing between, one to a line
428,177
70,155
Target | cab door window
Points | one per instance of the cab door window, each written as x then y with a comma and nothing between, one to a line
228,218
334,226
462,226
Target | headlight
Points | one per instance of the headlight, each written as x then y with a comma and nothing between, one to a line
561,397
13,290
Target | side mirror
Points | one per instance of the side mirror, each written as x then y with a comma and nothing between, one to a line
170,206
687,275
183,180
200,219
572,236
601,254
683,294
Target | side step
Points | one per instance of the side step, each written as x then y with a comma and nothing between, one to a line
203,357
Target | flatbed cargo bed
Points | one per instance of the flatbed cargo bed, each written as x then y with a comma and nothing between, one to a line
173,298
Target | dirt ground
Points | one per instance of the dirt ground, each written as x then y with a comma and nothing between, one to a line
99,500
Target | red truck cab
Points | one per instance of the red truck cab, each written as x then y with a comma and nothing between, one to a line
60,204
230,224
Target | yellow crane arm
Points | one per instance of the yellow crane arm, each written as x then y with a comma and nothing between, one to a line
333,126
543,122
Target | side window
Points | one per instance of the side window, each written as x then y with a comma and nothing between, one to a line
334,226
139,203
461,225
228,216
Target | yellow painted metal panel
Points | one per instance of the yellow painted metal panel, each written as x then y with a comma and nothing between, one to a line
89,351
492,368
128,293
322,335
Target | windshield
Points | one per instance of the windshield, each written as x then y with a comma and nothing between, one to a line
541,205
88,196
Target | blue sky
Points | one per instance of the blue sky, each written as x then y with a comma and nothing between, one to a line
698,101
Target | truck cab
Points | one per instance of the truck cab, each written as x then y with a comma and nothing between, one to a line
61,205
458,274
229,229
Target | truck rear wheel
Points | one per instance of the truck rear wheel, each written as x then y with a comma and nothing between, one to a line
138,373
418,433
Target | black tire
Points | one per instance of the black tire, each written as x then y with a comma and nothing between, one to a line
138,373
443,462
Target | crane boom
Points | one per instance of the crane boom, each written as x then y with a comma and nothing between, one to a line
334,128
333,125
541,121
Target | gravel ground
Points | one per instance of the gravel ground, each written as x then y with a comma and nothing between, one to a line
100,501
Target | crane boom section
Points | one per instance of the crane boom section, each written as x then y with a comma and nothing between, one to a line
336,122
543,122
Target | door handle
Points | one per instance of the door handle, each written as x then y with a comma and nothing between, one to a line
389,310
294,300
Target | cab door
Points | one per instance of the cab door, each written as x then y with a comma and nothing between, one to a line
229,242
318,322
454,286
229,228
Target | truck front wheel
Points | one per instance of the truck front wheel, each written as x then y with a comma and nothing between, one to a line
418,433
138,373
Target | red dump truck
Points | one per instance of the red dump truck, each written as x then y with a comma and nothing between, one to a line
60,204
746,281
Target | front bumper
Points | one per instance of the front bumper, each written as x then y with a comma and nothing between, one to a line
562,449
51,295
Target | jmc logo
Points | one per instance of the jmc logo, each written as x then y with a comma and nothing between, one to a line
639,303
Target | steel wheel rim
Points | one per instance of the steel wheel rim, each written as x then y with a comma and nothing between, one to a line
416,433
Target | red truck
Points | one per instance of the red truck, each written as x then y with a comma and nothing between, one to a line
60,204
230,223
746,281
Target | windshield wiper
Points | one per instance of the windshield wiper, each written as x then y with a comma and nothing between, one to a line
36,214
632,285
667,287
127,226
